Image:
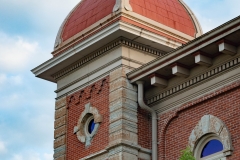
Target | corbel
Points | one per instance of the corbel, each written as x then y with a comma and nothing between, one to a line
158,80
202,59
122,4
227,47
180,70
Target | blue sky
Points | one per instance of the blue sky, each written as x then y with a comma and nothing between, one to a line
27,32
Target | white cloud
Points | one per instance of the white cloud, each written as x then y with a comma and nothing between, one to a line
10,101
47,156
3,148
16,80
213,13
3,79
17,157
31,155
15,53
44,14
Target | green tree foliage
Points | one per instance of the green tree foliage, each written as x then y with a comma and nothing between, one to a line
187,154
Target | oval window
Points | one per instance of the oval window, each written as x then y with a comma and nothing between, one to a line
91,126
213,146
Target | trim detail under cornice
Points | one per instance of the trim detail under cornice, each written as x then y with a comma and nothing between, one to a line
120,41
195,80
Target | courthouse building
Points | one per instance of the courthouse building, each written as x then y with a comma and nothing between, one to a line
138,80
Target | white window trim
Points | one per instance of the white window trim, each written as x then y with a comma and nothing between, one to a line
81,130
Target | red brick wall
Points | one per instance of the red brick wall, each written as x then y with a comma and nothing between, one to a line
175,126
98,95
144,129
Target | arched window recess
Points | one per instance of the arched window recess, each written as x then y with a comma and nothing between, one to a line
210,139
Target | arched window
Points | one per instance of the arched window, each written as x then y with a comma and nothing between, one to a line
91,126
212,147
210,139
209,147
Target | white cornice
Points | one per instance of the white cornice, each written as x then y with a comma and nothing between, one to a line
118,42
47,69
74,50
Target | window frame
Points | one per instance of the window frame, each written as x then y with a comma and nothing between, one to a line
201,144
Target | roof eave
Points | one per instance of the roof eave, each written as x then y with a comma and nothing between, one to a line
189,48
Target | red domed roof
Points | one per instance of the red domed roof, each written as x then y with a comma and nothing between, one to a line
85,14
170,13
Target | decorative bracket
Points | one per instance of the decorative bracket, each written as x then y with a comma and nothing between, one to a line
120,4
227,47
158,81
180,70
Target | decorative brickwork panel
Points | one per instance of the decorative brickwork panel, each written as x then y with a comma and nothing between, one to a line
176,126
98,96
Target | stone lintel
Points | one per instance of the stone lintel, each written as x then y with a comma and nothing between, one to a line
60,103
59,141
122,103
121,82
123,114
60,131
60,122
123,93
122,124
61,158
118,73
60,151
103,154
123,152
123,135
60,112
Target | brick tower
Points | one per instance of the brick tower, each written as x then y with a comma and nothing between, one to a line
104,52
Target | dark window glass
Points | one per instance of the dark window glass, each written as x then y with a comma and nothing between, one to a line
212,147
91,126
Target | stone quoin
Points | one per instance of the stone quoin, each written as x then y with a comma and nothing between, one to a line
138,80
